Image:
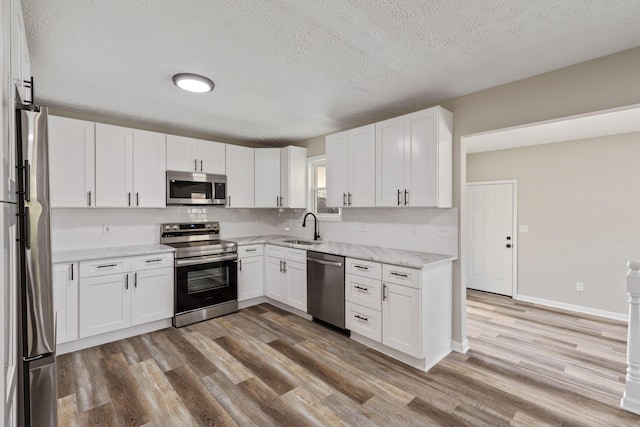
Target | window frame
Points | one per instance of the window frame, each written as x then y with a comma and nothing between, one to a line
312,162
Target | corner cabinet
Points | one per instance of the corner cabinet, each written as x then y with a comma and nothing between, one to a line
195,155
351,163
71,162
250,272
130,166
240,177
414,160
286,276
281,177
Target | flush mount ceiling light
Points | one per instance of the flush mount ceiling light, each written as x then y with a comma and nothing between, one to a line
193,82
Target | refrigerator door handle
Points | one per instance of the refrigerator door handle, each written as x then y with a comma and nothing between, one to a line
27,181
27,228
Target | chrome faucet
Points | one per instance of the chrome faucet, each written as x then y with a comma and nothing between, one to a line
316,235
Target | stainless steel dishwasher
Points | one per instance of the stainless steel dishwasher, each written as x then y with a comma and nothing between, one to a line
325,288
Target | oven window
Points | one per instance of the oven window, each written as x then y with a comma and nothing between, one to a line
207,279
206,284
190,190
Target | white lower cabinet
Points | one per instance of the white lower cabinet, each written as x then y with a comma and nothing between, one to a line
405,309
118,293
65,300
286,276
250,272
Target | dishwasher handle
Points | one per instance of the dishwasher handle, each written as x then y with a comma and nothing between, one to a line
320,261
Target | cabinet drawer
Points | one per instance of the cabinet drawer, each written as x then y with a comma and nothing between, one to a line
363,321
275,251
104,267
363,291
250,250
401,275
369,269
299,255
149,262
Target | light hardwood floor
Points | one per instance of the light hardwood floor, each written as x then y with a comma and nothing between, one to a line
527,366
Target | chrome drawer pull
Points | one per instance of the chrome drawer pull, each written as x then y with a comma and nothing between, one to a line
361,267
153,260
361,318
362,289
106,265
399,274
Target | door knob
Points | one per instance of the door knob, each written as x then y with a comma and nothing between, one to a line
508,245
508,237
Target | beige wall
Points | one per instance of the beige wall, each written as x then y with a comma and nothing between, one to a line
580,202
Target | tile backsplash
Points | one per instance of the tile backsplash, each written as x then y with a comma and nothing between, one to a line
421,229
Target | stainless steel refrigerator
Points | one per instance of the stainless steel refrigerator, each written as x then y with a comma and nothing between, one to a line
37,383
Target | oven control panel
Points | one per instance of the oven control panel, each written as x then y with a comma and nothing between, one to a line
197,227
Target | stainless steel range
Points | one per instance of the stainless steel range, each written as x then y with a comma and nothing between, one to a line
206,280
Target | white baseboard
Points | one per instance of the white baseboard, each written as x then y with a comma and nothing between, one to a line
290,309
251,302
577,308
460,347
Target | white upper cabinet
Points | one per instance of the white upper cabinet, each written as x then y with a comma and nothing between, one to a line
414,159
195,155
267,177
281,177
240,177
130,167
149,160
114,166
293,177
71,162
351,168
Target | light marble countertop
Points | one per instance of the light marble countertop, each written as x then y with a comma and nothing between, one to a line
113,252
413,259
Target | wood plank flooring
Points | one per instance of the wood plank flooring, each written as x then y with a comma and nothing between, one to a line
528,366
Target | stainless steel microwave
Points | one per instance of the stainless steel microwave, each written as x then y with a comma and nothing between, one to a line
193,188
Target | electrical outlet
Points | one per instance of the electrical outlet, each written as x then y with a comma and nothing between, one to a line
443,232
364,227
106,229
579,286
414,230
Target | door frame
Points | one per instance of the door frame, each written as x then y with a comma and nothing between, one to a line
514,232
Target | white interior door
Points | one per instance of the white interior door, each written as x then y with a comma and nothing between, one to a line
490,257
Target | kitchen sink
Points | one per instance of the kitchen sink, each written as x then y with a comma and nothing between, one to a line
300,242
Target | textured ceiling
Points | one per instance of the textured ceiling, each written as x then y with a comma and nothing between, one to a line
287,70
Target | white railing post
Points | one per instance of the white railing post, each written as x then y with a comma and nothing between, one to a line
631,399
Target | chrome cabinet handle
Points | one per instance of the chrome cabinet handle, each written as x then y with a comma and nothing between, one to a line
135,279
240,264
357,316
153,260
280,266
250,250
398,197
406,197
89,198
72,271
137,199
349,199
384,292
195,165
281,201
126,282
129,199
361,267
229,202
362,289
106,266
200,165
344,199
284,263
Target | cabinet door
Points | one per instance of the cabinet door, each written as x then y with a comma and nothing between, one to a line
267,177
421,158
362,167
337,149
275,286
182,154
240,177
293,177
65,301
114,166
211,157
152,295
389,162
71,162
401,327
250,278
149,169
105,304
296,278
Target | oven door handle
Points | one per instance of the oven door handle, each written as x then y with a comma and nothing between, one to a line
204,260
